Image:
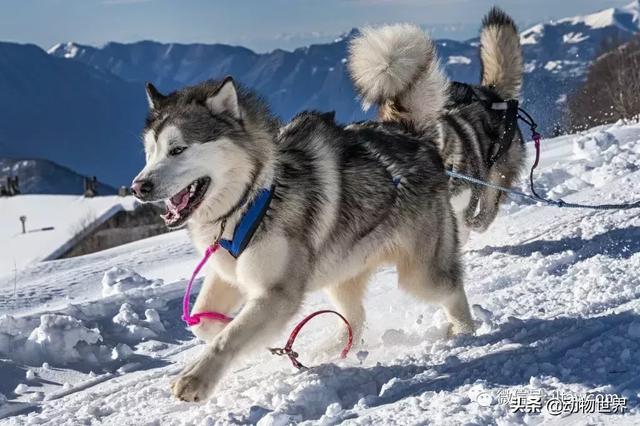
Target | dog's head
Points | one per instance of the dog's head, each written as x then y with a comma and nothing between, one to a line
200,152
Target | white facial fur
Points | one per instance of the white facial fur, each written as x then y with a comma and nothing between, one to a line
221,160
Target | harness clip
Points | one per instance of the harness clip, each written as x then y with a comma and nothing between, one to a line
283,351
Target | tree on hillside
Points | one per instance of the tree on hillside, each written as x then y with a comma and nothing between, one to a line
611,90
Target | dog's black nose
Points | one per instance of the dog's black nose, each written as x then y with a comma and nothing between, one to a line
141,188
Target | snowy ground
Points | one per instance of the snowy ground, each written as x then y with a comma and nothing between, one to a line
88,340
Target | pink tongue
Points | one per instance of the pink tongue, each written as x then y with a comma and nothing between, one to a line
179,201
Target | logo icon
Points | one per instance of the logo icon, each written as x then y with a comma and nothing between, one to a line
484,399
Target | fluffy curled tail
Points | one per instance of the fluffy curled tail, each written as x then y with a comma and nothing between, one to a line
501,54
396,67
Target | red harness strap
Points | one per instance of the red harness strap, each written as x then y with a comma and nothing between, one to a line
293,356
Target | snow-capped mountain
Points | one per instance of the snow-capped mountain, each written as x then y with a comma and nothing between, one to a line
38,176
309,77
556,53
83,106
568,45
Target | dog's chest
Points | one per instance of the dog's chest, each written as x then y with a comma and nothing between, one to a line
221,262
225,266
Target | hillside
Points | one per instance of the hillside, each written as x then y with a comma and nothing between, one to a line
556,295
38,176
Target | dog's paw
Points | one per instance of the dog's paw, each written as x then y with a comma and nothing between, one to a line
477,224
190,388
331,347
460,330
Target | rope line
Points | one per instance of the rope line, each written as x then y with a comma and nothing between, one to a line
536,197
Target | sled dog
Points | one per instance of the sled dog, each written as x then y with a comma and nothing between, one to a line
342,200
396,68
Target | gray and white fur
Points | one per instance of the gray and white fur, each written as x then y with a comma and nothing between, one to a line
396,68
346,200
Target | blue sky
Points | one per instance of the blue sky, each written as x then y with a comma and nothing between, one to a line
258,24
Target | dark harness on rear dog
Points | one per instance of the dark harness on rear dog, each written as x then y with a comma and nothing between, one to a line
461,94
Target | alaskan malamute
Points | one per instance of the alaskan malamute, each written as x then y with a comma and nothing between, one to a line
396,67
341,202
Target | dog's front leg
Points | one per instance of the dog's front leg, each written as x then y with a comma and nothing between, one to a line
275,291
216,295
260,317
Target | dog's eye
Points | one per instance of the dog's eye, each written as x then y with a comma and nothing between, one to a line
177,150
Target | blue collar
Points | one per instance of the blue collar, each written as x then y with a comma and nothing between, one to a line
248,223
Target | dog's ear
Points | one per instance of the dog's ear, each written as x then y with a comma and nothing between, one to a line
154,97
225,99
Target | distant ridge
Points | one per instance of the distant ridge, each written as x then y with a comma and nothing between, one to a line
46,177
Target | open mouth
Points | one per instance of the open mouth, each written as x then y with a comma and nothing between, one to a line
184,203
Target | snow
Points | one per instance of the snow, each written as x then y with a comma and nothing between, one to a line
119,280
68,50
573,38
555,294
69,215
458,60
60,338
30,374
574,68
530,66
532,35
602,19
625,18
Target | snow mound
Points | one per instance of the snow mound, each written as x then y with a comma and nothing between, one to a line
136,328
120,280
598,157
62,339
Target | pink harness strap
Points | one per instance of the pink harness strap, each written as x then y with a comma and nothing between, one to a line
194,319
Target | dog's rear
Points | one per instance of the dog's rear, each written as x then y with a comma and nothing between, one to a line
396,68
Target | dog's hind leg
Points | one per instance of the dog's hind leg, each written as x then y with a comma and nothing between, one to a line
489,204
433,274
216,295
504,173
347,299
490,200
442,286
462,203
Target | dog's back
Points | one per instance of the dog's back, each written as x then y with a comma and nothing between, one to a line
363,177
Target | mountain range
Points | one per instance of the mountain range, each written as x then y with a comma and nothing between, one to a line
84,106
